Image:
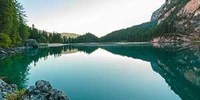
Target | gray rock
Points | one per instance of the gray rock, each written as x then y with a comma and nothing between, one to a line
38,97
57,95
31,43
5,89
43,86
41,91
31,89
6,52
44,91
14,86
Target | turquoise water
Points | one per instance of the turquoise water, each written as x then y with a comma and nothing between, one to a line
111,72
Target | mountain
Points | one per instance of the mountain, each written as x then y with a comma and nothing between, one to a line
69,35
184,14
174,21
86,38
136,33
178,20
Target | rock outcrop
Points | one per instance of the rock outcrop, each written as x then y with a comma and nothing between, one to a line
6,89
31,43
182,15
5,52
42,90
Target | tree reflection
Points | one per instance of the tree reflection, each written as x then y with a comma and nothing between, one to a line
180,67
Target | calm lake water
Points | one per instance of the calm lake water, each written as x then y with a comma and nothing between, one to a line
111,72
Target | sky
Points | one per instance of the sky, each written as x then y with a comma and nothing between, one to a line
99,17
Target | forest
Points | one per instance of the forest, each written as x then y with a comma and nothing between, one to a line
13,28
14,31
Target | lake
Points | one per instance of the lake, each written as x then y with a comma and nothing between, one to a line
111,72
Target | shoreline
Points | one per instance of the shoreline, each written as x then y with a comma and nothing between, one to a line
6,52
42,90
114,43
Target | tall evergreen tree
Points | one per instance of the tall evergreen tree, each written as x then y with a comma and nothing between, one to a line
14,34
6,16
23,29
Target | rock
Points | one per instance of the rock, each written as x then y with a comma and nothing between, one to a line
6,52
1,96
183,17
31,43
5,89
31,89
41,91
57,95
186,13
43,86
176,38
44,91
14,86
3,52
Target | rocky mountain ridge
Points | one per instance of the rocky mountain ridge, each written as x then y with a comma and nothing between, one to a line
180,17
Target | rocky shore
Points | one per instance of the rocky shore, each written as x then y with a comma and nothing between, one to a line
29,44
6,52
42,90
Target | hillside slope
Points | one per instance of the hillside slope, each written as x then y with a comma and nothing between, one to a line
178,20
174,21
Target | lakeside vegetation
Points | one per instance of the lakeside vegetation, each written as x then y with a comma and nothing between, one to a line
13,28
14,31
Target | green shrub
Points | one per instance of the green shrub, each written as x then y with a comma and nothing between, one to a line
16,96
4,40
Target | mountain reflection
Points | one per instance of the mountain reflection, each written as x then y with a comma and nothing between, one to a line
180,67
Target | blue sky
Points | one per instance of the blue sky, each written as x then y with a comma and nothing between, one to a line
96,16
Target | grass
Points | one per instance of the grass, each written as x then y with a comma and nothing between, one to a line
16,96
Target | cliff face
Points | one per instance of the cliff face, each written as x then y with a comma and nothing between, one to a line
182,15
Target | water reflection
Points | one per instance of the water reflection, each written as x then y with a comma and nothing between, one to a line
180,67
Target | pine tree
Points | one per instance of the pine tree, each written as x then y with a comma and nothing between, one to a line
6,16
14,33
23,29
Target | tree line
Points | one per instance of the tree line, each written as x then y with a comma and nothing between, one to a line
14,31
44,37
86,38
13,28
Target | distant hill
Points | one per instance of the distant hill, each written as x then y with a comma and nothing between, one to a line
71,35
137,33
86,38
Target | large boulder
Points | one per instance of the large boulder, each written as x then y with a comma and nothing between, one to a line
42,90
31,43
